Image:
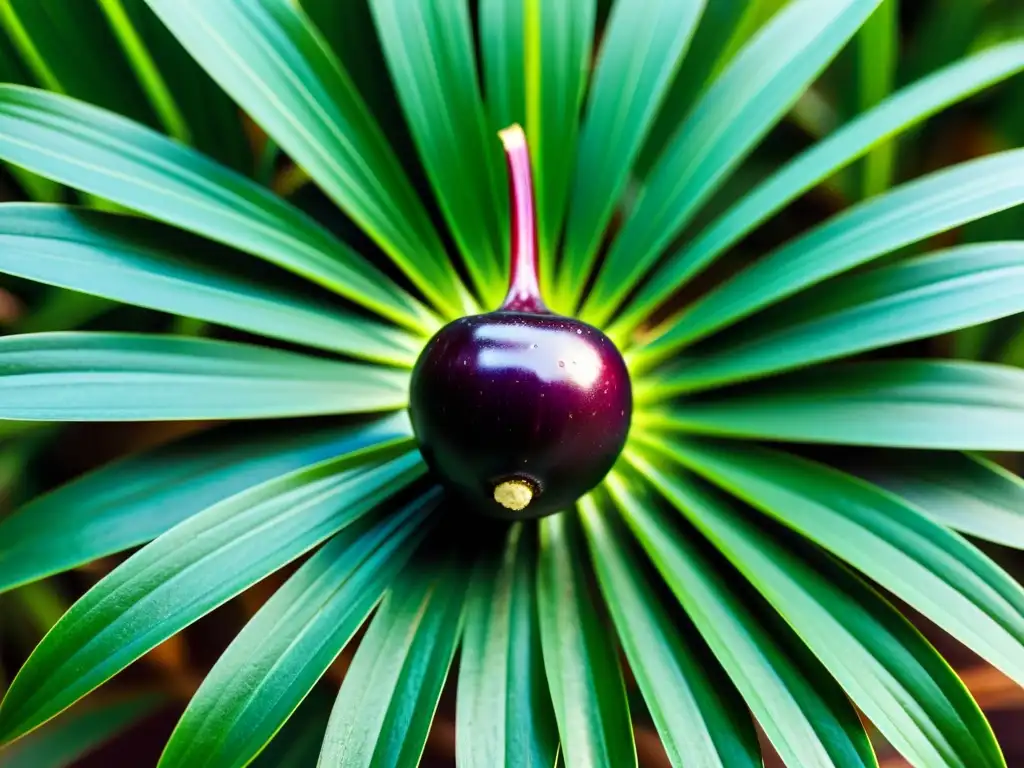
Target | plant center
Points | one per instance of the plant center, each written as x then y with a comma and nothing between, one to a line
520,411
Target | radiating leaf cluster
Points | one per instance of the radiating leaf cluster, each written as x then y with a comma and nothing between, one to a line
724,574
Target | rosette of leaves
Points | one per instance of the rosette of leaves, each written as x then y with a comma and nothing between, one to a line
744,570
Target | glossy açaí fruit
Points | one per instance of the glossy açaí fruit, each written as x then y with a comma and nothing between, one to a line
520,411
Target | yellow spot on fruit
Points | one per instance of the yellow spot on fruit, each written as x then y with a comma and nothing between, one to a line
513,494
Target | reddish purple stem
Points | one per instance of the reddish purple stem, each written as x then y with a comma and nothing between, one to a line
523,287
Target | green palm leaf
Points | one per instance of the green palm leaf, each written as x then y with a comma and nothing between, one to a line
800,707
899,404
104,154
80,731
59,43
284,649
754,92
907,214
140,262
134,500
961,491
911,300
756,15
135,377
933,569
350,32
270,59
503,713
889,670
899,112
193,568
877,54
387,700
579,656
738,617
720,28
948,31
191,107
557,40
502,32
429,50
297,744
61,310
160,98
14,70
641,50
699,714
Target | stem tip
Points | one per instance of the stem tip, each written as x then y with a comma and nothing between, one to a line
513,137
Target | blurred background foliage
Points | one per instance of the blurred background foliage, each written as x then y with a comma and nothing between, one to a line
114,53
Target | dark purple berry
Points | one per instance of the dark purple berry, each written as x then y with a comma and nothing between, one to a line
520,411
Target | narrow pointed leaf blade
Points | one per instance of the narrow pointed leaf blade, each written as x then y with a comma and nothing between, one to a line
877,56
14,70
275,661
297,744
579,655
642,47
885,665
387,700
925,404
141,262
136,499
907,214
504,717
104,154
933,569
502,33
720,25
428,48
268,56
900,112
136,377
191,106
59,43
147,75
800,707
557,49
699,714
190,570
349,31
962,491
914,299
736,111
80,731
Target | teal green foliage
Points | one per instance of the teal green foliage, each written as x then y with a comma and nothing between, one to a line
729,571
